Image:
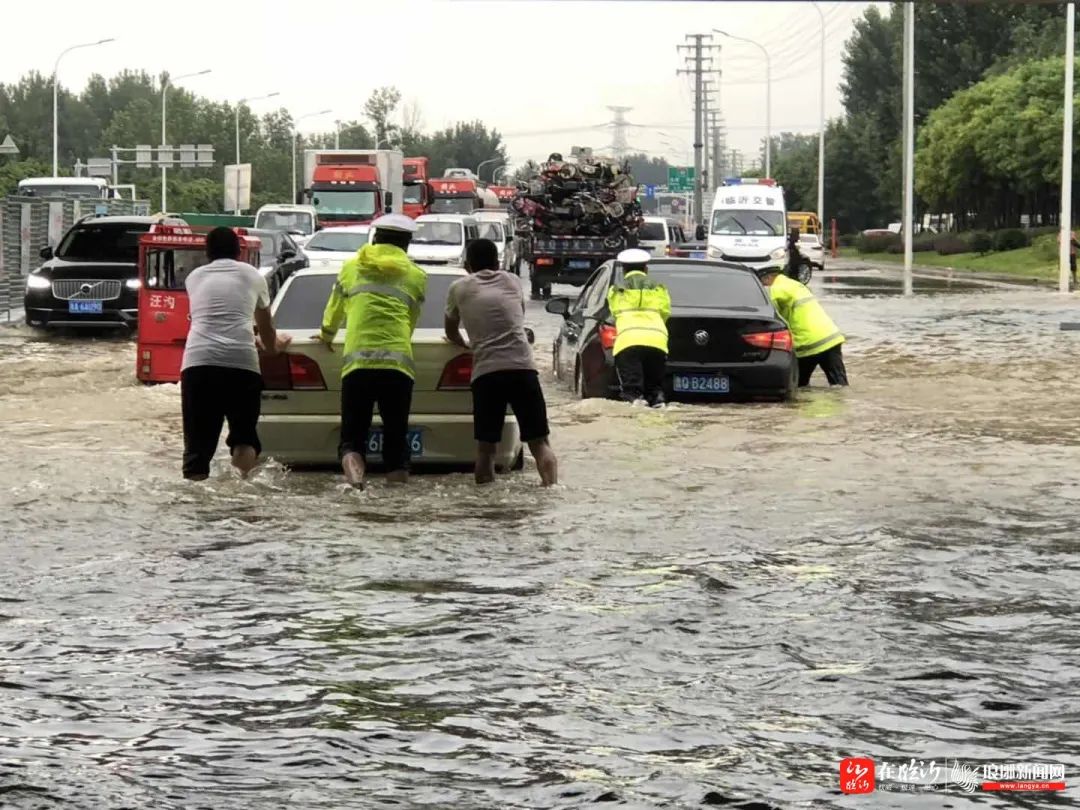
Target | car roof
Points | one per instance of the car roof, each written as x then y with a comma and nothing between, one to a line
344,229
462,218
131,220
287,207
334,269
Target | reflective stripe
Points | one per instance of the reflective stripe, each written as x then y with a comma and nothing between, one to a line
636,309
385,289
642,329
802,301
379,354
821,342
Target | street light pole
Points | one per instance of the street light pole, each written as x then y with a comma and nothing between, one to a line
909,141
55,102
1065,236
821,132
768,96
238,105
485,163
337,134
295,137
164,91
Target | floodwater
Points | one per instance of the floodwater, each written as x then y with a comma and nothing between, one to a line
715,607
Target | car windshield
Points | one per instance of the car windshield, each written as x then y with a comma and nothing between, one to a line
453,205
651,232
413,193
710,287
437,233
748,223
103,242
299,221
343,204
348,241
302,303
492,231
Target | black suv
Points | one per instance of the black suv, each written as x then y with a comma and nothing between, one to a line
92,278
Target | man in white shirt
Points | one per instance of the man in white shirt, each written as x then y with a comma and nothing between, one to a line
219,378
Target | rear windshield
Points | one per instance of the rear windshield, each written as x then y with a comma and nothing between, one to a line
652,232
329,240
303,301
709,287
113,242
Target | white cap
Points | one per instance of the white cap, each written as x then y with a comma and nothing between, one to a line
395,222
634,256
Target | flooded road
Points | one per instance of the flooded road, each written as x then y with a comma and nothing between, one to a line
716,605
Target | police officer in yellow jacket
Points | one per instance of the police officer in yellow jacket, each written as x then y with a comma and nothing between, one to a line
816,339
378,296
640,307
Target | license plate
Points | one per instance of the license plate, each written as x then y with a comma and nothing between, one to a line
415,438
85,307
697,254
701,383
578,264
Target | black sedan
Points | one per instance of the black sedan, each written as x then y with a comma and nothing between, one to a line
279,258
726,341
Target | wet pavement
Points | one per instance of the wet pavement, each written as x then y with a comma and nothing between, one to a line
716,605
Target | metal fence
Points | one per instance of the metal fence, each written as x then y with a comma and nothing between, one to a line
27,224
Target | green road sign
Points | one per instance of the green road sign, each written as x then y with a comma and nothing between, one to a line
680,179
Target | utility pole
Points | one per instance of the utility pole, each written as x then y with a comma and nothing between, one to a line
697,60
619,145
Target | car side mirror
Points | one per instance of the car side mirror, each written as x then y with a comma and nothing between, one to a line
389,206
558,306
700,234
46,252
287,254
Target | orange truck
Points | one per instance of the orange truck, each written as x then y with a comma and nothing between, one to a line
352,186
505,195
460,195
417,193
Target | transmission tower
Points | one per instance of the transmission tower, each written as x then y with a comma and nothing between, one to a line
619,125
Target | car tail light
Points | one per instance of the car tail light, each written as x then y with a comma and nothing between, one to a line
457,374
291,372
779,340
667,250
608,335
544,260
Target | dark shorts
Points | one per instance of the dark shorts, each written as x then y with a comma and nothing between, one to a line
361,391
522,392
209,397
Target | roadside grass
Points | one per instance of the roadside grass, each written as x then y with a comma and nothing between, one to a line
1024,263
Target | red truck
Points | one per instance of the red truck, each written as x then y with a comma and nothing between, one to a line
505,195
460,195
352,186
417,199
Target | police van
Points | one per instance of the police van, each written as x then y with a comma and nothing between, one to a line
748,223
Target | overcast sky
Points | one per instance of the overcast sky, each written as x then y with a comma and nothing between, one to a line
533,70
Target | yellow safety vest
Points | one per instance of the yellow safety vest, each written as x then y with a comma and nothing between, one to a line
812,330
378,293
641,308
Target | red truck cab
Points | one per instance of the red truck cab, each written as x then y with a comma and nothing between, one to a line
505,195
417,197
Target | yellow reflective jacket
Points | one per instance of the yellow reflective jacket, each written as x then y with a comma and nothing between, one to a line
640,307
378,293
812,330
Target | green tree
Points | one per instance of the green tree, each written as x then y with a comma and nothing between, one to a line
378,109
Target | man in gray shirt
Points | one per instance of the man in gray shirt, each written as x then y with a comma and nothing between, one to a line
490,304
219,377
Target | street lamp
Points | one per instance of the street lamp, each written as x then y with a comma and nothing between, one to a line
500,170
485,163
164,90
821,133
337,134
240,102
56,67
295,137
768,96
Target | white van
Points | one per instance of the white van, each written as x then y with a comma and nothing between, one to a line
499,228
748,223
660,236
301,221
441,239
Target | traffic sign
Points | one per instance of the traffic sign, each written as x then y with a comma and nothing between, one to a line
8,147
650,192
680,178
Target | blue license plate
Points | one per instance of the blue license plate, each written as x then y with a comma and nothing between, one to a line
85,307
697,254
578,264
415,438
701,384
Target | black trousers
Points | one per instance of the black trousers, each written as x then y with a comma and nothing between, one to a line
831,362
641,373
210,396
361,391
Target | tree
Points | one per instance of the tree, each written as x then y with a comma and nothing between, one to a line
378,109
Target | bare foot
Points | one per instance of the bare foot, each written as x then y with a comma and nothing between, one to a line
352,464
244,458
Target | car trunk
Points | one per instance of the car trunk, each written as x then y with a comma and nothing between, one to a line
700,335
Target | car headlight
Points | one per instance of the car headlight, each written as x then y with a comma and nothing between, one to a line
35,282
133,283
779,253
